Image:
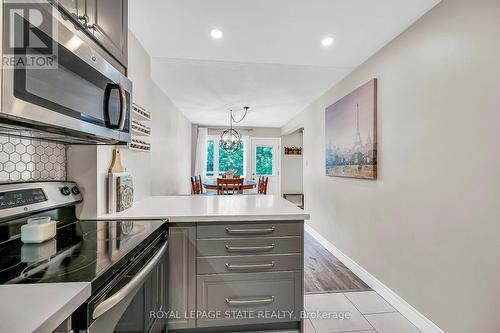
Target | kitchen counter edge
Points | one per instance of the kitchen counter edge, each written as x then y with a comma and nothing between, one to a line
191,209
39,307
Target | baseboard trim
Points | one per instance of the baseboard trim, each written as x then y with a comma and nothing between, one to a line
412,314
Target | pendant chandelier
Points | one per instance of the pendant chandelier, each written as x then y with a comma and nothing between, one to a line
230,139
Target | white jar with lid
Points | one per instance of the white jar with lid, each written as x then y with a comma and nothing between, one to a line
38,230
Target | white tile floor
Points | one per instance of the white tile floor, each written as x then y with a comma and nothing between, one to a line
334,306
391,323
368,313
369,302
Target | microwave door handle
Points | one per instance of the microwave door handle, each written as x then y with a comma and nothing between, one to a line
107,94
136,281
107,97
123,108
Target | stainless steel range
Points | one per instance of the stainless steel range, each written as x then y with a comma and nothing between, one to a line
124,261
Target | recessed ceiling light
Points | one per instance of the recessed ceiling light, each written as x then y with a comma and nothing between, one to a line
327,41
216,34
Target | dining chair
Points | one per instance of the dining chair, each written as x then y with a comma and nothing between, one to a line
196,186
262,186
227,186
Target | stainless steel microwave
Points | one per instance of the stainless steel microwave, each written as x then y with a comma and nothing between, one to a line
78,97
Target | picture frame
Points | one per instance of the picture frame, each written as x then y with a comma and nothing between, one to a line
351,134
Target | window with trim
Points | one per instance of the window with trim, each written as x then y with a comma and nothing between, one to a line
219,161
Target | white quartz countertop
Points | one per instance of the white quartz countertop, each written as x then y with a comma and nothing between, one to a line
206,208
39,307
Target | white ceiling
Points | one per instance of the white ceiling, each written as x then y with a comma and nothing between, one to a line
270,57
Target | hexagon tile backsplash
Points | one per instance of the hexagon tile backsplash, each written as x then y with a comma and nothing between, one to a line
28,160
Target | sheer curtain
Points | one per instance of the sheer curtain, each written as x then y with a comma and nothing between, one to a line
201,153
247,144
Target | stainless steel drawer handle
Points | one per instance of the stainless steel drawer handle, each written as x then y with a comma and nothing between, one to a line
250,231
230,248
243,267
253,301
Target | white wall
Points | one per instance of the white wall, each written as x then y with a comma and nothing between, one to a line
429,227
291,165
164,171
256,132
171,153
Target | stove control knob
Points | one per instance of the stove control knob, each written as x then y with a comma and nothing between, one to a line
75,190
65,191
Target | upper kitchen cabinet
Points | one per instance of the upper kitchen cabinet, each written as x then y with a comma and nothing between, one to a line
70,5
106,21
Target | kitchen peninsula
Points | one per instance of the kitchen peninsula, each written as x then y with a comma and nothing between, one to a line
235,262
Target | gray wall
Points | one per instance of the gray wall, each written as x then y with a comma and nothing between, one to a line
429,227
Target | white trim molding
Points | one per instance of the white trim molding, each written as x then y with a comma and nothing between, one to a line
412,314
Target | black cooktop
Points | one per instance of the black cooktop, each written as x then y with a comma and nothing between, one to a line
90,251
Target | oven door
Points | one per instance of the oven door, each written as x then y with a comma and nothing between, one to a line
129,305
76,93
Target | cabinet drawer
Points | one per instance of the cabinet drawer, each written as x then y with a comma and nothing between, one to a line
241,298
250,230
248,264
248,246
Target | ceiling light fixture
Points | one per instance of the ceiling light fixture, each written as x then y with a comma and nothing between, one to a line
216,34
230,139
327,41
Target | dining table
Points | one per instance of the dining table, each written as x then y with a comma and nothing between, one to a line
211,184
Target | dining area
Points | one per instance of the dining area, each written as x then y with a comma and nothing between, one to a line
229,185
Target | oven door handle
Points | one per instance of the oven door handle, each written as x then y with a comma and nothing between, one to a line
136,281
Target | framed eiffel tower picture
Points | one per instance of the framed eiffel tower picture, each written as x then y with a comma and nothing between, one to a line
351,134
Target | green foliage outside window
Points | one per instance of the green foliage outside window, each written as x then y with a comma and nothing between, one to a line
227,161
210,158
231,161
264,163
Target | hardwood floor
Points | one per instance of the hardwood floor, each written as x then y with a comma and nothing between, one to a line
323,272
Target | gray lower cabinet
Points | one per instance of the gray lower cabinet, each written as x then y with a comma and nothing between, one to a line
243,230
229,274
249,264
248,246
250,298
182,275
249,274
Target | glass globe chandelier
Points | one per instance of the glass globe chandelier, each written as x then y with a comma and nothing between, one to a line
230,139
